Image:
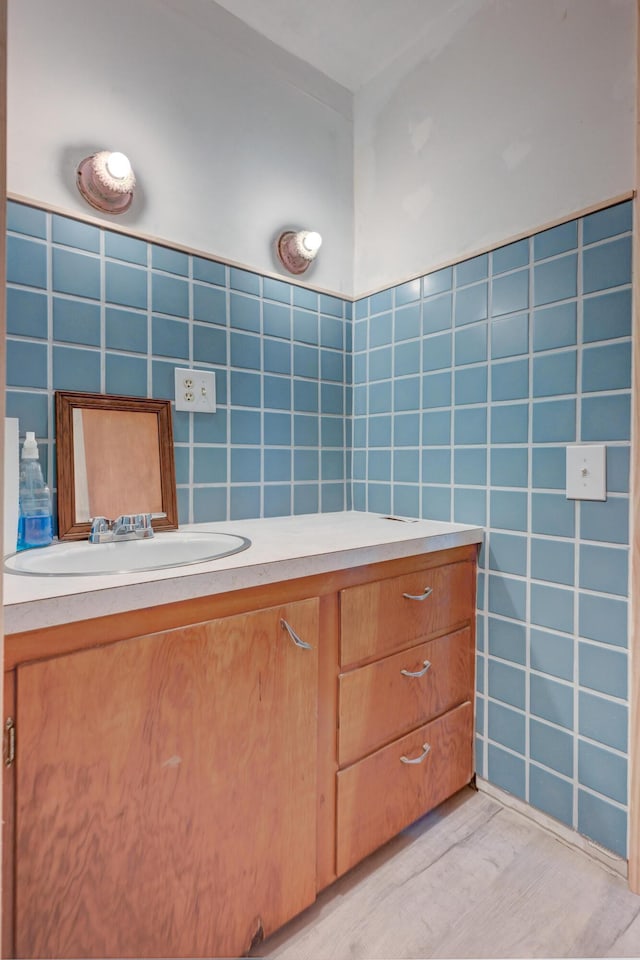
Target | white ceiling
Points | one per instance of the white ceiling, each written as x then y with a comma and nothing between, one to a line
348,40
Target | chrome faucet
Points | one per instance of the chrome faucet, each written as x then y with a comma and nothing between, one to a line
134,526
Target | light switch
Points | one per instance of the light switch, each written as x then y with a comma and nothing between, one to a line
586,471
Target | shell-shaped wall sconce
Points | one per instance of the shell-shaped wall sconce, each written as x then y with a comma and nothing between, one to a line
298,249
106,181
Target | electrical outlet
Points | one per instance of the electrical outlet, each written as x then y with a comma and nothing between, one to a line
195,390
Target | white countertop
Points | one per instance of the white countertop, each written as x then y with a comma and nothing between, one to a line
282,548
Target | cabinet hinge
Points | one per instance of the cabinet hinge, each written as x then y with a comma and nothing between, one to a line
9,742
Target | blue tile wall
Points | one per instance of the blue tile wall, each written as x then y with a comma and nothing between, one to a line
91,309
523,351
453,397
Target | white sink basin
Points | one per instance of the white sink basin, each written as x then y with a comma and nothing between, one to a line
176,548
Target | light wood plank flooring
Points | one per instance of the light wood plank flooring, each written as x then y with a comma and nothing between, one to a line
471,879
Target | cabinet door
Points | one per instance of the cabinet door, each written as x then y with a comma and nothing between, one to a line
8,812
166,790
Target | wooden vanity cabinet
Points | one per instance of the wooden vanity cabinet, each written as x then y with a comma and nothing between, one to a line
173,781
187,777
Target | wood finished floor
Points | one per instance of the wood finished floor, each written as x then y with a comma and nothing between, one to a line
471,879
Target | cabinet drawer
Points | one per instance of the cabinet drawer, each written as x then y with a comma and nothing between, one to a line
379,618
379,702
381,795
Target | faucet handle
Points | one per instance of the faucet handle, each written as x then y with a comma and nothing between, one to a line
142,523
99,526
142,520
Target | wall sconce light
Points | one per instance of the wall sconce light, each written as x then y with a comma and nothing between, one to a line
297,250
106,181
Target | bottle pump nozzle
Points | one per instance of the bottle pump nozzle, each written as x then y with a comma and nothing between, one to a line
30,447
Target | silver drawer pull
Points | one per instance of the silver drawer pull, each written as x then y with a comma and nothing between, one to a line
418,673
425,750
294,636
423,596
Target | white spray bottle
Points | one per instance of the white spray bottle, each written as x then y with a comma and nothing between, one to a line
34,520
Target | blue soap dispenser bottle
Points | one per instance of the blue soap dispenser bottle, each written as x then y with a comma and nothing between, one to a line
34,519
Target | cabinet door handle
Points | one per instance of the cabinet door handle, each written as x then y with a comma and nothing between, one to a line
422,596
418,673
10,742
294,636
425,750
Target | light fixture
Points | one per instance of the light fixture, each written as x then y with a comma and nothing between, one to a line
297,249
106,181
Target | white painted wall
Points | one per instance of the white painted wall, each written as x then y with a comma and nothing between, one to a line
513,114
231,138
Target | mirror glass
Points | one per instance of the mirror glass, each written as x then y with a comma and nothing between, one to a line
114,456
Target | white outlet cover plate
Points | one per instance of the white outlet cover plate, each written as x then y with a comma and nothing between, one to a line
586,471
195,390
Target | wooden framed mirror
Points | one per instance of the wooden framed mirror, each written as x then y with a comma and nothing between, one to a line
114,456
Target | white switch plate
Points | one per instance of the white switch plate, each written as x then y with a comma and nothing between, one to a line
195,390
586,471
